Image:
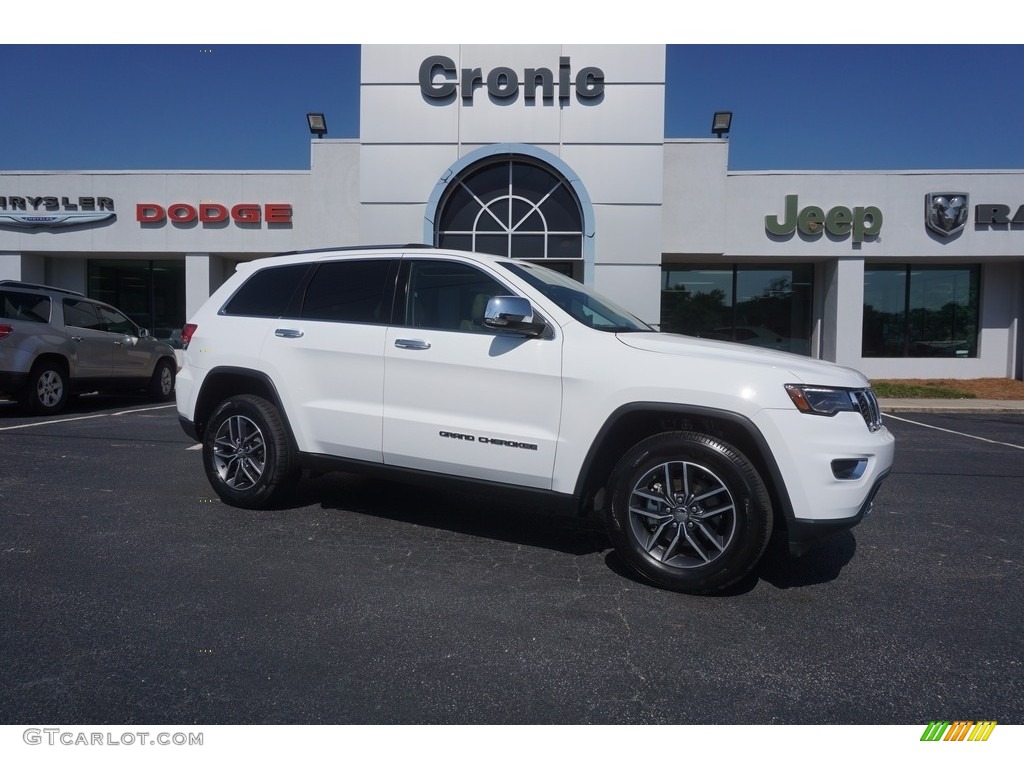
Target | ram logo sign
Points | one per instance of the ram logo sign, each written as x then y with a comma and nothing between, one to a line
945,213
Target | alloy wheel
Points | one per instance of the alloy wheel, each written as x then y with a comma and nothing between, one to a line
239,453
682,514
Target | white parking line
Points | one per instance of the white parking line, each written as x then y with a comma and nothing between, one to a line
954,432
83,418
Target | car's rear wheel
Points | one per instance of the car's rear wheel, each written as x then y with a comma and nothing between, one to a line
161,384
688,511
47,388
247,453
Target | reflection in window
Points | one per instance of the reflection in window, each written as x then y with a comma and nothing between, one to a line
449,296
766,306
920,311
350,292
514,208
150,292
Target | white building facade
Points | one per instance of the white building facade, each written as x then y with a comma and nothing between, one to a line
557,153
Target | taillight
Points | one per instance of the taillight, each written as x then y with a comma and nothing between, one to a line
5,331
186,333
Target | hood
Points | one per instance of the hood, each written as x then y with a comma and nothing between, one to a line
802,370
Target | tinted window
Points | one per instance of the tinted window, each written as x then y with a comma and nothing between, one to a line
268,292
115,322
82,314
584,305
350,292
449,296
24,306
920,311
765,306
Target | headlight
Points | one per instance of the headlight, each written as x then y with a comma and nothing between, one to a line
823,401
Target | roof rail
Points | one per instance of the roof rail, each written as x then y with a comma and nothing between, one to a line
379,247
37,286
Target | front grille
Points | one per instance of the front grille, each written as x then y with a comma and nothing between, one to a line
867,404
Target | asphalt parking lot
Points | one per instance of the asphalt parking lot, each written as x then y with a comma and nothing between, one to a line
132,595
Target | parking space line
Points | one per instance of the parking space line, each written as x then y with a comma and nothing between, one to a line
83,418
954,432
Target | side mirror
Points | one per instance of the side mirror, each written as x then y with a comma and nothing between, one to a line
512,313
143,333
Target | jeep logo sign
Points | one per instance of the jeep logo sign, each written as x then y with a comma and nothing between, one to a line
840,221
440,78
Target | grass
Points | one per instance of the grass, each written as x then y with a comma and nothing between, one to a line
904,389
956,389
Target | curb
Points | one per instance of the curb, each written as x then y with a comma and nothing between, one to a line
931,405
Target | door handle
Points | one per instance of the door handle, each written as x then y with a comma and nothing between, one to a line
412,344
288,333
76,338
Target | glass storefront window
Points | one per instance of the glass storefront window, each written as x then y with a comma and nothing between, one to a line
150,292
920,311
764,306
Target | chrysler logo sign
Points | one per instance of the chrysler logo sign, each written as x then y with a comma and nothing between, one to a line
50,211
44,220
945,213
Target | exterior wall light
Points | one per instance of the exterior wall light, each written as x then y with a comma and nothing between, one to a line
720,123
318,123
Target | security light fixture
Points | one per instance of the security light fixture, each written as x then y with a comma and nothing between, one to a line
720,123
318,123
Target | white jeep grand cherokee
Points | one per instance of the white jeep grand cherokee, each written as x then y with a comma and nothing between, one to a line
432,364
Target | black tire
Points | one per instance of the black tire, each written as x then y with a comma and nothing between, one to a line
247,453
161,384
688,512
47,388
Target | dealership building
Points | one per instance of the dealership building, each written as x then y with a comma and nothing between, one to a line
557,154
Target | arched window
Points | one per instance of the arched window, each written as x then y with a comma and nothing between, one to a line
515,207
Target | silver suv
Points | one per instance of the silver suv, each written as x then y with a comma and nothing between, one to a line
55,342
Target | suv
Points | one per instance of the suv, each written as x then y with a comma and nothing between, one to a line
55,342
422,363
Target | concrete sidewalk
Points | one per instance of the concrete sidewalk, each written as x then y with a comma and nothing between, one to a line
938,405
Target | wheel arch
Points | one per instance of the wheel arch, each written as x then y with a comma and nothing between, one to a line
56,359
227,381
633,422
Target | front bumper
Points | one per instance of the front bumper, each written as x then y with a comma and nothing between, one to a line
802,534
831,467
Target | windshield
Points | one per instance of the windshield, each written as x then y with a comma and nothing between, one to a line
583,304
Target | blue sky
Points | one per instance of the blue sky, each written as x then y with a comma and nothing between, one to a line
203,105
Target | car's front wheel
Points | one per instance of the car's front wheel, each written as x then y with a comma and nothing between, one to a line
688,511
247,453
46,391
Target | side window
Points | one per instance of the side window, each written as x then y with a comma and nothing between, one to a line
267,293
15,305
449,296
82,314
351,292
114,322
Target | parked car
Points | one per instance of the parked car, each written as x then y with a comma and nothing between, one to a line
447,366
55,342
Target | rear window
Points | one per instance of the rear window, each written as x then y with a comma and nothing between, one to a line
15,305
268,292
351,292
